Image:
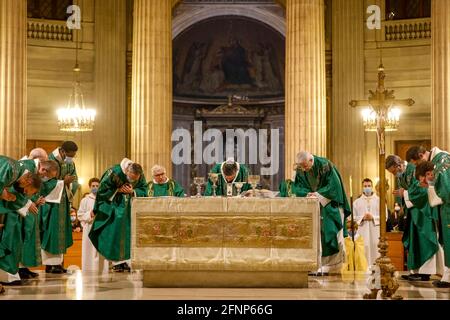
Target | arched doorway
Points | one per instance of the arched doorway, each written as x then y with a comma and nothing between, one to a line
224,56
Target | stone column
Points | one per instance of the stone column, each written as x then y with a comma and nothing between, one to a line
13,77
440,110
151,106
347,132
110,83
305,124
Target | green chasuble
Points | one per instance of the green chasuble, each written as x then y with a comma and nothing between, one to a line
10,171
324,179
169,189
111,229
11,238
442,186
31,250
221,189
405,181
422,239
56,232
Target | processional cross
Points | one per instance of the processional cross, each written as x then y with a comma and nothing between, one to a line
381,118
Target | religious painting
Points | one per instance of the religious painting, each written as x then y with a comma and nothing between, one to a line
222,56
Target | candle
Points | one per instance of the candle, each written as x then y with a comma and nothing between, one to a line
351,187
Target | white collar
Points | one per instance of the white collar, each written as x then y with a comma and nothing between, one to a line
57,155
124,164
91,195
434,152
237,172
36,162
167,180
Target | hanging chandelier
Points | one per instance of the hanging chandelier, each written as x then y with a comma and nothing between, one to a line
76,117
371,118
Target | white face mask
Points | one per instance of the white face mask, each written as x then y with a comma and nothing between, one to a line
397,208
45,179
68,160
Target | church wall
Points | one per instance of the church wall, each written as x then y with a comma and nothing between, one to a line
408,71
50,79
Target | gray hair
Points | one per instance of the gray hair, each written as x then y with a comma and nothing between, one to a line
304,156
158,169
135,168
50,165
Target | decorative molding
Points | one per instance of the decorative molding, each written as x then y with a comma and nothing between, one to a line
230,110
187,15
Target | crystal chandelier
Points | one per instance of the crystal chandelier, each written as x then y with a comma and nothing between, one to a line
75,117
391,120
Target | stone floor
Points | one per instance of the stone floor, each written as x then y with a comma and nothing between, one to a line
120,286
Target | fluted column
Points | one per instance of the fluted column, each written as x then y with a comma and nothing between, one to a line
151,106
440,110
347,132
110,83
305,80
13,77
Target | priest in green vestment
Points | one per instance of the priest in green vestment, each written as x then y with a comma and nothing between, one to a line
318,177
31,250
229,172
162,186
425,256
11,214
405,175
111,229
439,196
56,228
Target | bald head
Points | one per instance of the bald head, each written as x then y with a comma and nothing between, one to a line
38,153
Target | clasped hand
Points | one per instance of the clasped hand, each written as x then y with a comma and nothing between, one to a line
126,188
68,179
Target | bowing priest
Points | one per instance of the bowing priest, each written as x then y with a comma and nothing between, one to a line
111,230
36,162
318,177
439,195
162,186
430,257
11,213
405,176
228,172
56,231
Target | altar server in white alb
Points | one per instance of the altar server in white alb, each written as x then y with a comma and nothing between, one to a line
90,261
367,214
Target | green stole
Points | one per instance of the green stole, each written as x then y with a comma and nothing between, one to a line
221,190
442,187
111,229
169,189
323,178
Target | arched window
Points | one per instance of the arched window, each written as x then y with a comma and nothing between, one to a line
407,9
49,9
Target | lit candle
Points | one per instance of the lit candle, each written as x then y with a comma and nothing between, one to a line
351,188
